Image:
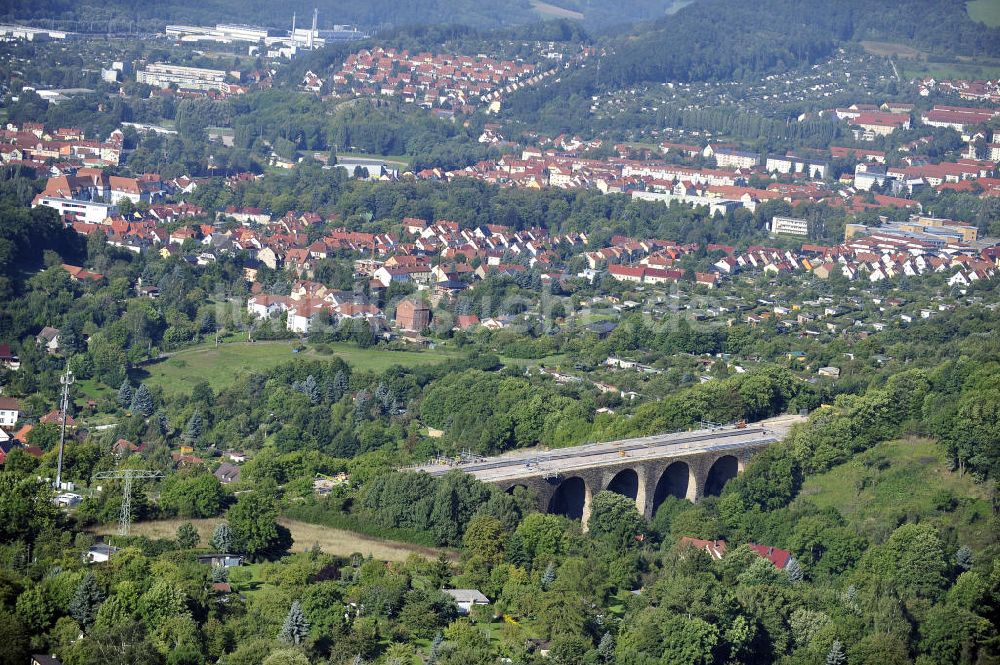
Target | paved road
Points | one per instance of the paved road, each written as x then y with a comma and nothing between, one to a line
562,461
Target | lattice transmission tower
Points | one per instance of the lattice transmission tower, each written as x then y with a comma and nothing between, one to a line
127,476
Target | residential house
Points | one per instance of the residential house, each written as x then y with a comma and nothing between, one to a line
7,444
778,557
38,659
270,257
228,473
78,274
714,548
220,559
466,321
387,275
100,553
466,599
9,411
709,279
264,305
49,338
413,315
123,447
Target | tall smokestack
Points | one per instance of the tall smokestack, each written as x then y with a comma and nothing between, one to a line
313,31
293,27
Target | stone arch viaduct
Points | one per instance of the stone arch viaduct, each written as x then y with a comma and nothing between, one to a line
686,465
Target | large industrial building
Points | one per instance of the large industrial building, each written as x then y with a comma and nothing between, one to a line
277,42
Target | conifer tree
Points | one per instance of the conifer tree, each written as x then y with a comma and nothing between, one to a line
606,648
836,655
311,389
142,401
86,601
296,627
222,538
125,394
340,385
794,570
963,557
193,431
219,573
549,576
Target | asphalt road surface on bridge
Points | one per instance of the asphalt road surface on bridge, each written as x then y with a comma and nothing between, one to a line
563,461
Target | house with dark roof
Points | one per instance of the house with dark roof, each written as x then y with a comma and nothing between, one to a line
220,559
602,328
228,473
38,659
7,444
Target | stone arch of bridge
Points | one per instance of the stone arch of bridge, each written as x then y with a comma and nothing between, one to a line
571,499
677,480
625,482
724,469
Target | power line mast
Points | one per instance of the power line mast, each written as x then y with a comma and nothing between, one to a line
127,476
66,380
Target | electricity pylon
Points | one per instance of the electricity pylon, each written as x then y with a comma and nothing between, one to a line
127,476
66,380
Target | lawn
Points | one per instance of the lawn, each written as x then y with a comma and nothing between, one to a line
552,11
555,360
84,389
889,49
913,484
400,160
985,11
221,365
975,70
913,63
304,536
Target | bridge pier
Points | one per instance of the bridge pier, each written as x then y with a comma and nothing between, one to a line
644,494
588,497
699,476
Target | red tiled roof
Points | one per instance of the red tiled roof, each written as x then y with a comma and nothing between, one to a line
776,556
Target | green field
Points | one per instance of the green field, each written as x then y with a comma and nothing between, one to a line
985,11
402,161
911,483
548,10
332,541
977,70
556,360
221,365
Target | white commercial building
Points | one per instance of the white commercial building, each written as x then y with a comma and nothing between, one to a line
789,226
91,212
12,32
162,74
715,205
